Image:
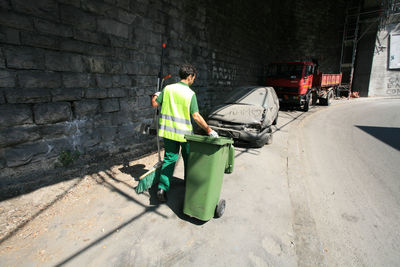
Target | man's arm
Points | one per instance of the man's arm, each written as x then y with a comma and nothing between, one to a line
201,122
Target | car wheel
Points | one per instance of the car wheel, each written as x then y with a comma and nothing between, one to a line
259,144
269,140
276,120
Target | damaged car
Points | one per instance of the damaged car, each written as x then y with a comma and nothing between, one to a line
247,115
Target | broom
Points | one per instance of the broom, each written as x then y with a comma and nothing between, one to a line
152,177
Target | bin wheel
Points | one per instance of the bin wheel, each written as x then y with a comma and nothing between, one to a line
219,210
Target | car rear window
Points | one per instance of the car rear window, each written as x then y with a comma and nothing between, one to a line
249,96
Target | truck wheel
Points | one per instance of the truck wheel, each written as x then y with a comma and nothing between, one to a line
329,98
220,209
314,98
307,104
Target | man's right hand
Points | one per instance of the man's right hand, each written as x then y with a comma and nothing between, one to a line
153,99
213,134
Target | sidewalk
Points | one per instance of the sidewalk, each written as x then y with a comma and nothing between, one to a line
99,220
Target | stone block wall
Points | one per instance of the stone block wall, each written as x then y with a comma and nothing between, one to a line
77,74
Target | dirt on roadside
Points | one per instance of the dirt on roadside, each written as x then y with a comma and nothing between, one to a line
24,217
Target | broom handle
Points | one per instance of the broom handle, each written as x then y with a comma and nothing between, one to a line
158,139
155,167
147,173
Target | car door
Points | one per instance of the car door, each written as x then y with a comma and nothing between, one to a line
308,78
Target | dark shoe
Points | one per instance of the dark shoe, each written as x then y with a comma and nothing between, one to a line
162,195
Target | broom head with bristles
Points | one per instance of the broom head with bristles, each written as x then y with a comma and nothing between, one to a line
149,179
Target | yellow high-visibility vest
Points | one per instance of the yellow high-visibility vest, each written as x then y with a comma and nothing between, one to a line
175,112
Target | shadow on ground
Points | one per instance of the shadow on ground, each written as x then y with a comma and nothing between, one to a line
176,198
135,170
77,172
387,135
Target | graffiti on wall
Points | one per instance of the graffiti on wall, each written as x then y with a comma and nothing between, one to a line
393,86
223,74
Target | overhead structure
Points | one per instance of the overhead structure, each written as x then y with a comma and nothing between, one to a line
358,21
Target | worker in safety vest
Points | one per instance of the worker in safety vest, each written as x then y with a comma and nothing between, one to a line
177,102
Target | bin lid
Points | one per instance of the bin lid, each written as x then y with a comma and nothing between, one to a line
220,141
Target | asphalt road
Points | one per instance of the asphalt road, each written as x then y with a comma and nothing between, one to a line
325,193
351,160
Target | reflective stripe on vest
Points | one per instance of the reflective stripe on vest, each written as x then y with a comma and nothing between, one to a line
173,130
175,119
175,112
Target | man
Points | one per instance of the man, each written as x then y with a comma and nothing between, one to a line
177,102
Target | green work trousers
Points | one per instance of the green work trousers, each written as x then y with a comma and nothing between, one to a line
171,156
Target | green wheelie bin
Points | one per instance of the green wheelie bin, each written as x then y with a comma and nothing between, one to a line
209,158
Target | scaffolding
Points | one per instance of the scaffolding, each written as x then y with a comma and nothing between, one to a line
356,15
390,12
349,41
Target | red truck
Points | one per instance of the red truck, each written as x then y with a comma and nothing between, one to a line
299,83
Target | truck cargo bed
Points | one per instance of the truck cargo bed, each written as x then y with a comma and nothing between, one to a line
327,80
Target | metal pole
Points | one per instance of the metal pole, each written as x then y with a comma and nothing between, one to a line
343,40
353,56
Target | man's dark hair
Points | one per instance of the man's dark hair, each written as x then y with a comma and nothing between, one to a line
185,70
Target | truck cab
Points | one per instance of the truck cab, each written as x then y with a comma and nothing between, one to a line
292,81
